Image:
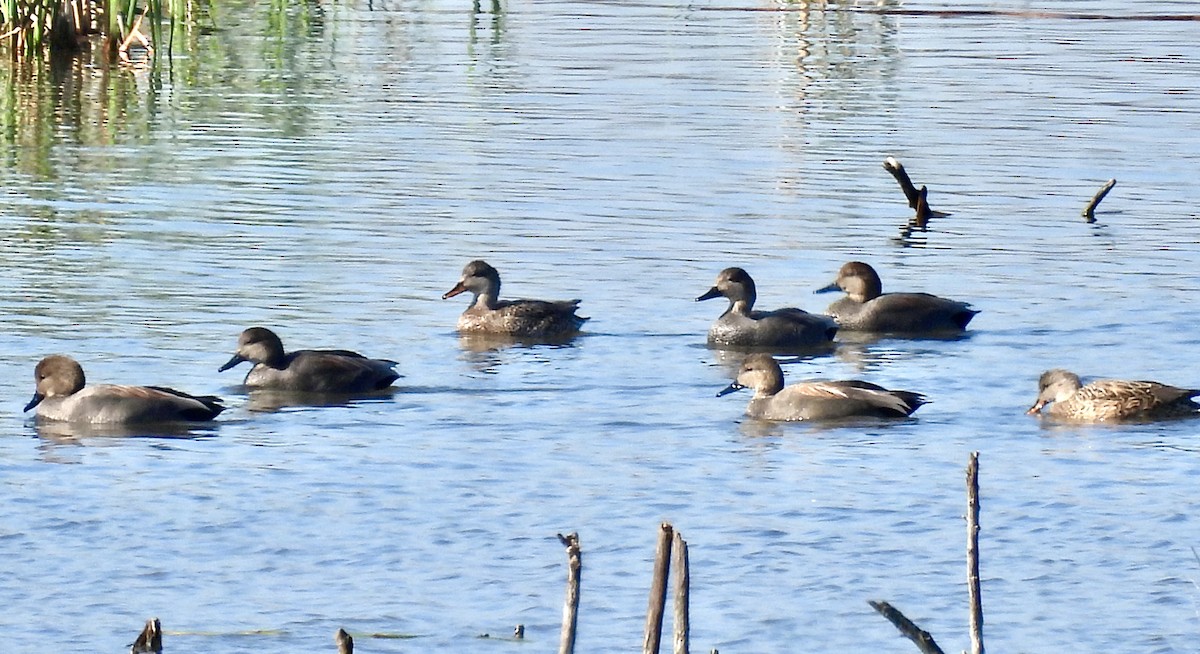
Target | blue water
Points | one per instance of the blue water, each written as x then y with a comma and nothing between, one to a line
331,182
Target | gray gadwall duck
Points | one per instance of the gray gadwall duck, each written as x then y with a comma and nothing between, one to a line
742,326
62,395
488,314
816,400
1107,400
867,308
308,371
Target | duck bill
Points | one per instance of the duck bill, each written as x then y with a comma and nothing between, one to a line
712,293
458,288
37,399
1036,408
730,388
832,288
237,358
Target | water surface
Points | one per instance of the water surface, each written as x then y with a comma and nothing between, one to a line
329,176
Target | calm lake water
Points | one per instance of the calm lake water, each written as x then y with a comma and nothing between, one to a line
329,173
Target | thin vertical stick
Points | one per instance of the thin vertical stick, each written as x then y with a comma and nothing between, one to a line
658,590
566,642
679,560
973,593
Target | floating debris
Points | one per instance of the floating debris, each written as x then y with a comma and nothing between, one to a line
1089,212
344,642
150,640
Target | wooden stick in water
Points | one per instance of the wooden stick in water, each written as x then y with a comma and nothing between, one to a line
1089,211
893,166
923,640
150,640
682,579
566,641
923,210
345,643
658,590
973,589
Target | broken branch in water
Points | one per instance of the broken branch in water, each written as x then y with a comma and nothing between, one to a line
973,590
345,643
658,590
150,640
1089,211
924,641
893,166
566,643
682,622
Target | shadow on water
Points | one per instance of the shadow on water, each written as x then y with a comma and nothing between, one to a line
731,358
68,432
866,351
487,352
267,401
756,428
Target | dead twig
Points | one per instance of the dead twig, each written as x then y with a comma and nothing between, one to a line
566,643
1089,212
150,640
973,589
923,640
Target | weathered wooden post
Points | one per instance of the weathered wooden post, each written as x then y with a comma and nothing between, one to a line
682,579
566,641
658,590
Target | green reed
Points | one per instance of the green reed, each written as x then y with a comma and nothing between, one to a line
31,26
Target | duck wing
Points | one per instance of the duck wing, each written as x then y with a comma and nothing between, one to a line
338,371
540,317
867,397
1130,397
811,328
117,403
919,312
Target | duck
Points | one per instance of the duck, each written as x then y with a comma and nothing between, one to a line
867,308
308,371
488,314
816,400
62,395
742,326
1110,400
